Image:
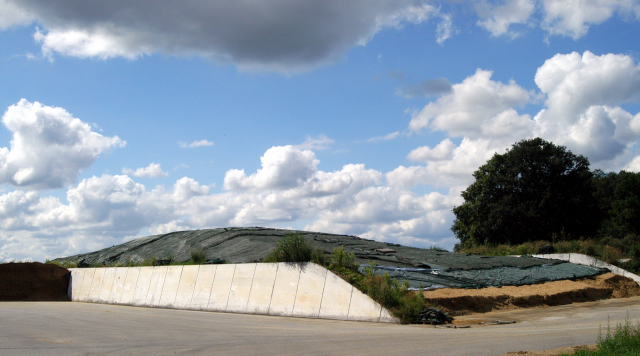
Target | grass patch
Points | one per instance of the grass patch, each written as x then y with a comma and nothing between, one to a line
623,340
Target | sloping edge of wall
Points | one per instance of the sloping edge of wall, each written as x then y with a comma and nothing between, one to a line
581,259
304,290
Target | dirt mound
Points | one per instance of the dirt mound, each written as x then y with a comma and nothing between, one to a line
33,282
469,301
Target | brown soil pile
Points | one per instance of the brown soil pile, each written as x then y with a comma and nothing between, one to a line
469,301
33,282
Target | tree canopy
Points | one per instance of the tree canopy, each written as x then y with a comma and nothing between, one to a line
533,191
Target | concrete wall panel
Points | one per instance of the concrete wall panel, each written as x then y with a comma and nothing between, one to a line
262,288
310,290
118,285
221,287
170,287
241,288
96,285
285,289
87,281
107,284
336,298
155,287
288,289
363,308
186,287
202,289
129,287
76,283
142,286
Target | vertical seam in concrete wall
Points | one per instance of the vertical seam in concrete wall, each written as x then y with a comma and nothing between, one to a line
350,297
230,285
273,287
115,272
297,287
215,273
251,288
379,315
324,285
134,287
194,287
126,276
145,297
179,278
162,290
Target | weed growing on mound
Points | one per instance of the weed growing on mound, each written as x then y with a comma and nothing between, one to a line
623,340
197,256
291,248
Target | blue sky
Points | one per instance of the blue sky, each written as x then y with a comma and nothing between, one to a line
367,118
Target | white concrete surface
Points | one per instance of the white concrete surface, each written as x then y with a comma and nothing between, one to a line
262,288
285,289
221,287
96,285
363,308
202,289
585,260
155,287
129,288
118,285
107,285
142,286
170,287
241,288
187,284
310,290
336,298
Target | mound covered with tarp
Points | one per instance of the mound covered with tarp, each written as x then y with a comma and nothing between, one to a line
421,267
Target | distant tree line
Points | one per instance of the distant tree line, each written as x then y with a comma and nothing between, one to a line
540,191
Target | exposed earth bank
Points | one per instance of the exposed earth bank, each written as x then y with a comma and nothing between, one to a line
33,281
470,301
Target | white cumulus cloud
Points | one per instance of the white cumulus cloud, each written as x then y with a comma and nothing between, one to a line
49,146
573,17
498,18
153,170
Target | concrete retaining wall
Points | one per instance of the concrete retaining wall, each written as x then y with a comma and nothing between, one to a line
581,259
286,289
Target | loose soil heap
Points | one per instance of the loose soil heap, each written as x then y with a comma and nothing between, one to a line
33,282
469,301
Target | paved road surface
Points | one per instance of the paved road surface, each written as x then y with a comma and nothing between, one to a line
65,328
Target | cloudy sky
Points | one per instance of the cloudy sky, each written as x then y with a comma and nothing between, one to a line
123,119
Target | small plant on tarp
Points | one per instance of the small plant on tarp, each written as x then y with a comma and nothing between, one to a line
291,248
197,255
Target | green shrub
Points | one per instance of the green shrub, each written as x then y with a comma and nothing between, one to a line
340,258
522,250
317,257
197,256
291,248
396,297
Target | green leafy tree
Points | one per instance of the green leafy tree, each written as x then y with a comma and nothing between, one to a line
618,196
534,191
